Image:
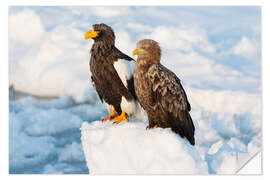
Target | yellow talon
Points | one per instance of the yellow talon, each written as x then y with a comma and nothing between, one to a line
155,126
112,115
122,117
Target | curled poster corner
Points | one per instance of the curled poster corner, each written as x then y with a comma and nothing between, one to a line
253,166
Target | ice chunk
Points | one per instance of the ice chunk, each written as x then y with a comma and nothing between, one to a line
72,153
215,147
128,148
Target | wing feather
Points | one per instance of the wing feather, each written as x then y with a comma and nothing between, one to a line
125,67
121,55
172,99
167,84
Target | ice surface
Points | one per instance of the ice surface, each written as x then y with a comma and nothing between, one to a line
48,57
72,153
131,149
46,138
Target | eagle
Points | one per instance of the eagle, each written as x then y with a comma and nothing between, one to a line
111,73
160,92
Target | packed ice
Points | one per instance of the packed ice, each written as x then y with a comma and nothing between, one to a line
64,135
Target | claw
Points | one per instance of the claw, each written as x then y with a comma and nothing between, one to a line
119,119
111,117
148,127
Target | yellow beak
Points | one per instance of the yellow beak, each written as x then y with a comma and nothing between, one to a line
135,52
91,34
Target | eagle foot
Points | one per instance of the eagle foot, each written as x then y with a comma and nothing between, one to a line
150,127
121,118
111,117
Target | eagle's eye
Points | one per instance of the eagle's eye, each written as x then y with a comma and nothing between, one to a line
100,33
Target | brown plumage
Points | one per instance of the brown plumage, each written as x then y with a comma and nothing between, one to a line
104,76
160,92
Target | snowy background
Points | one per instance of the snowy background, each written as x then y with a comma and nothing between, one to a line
215,51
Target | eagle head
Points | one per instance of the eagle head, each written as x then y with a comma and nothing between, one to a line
101,33
148,50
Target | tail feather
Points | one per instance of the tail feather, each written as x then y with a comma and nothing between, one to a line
184,126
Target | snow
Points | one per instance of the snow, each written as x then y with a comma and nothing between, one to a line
26,152
215,147
59,57
129,148
72,153
229,164
45,137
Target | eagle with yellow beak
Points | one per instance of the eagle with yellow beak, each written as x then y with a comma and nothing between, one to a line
160,92
111,73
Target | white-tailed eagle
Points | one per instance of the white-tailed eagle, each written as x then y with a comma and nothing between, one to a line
160,92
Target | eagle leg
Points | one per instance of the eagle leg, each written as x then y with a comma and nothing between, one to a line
122,117
150,127
112,116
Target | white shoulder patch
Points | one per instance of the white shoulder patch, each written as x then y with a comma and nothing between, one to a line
124,69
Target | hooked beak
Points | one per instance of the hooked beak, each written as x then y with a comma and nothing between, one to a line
136,52
91,34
